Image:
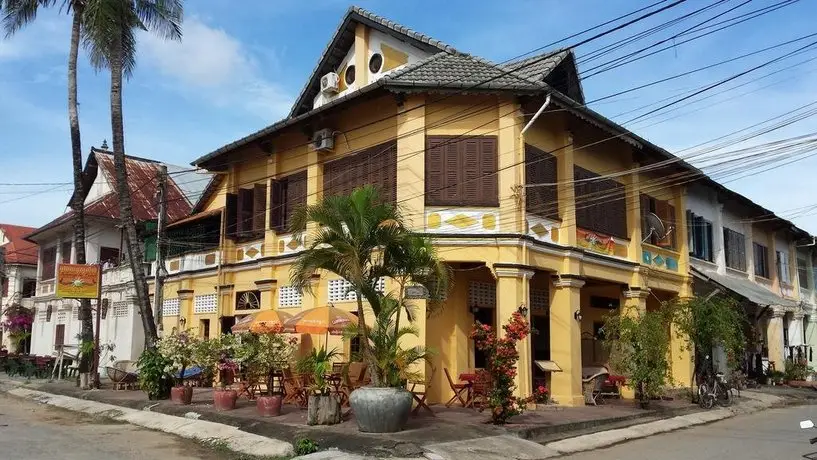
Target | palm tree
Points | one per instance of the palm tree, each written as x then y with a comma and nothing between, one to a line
18,14
361,238
110,40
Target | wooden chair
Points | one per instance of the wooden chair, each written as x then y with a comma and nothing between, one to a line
421,395
479,391
460,390
339,368
294,391
357,373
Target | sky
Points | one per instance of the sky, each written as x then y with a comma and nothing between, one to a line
238,70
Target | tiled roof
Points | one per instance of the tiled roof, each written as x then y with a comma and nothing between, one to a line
18,250
460,71
343,38
539,66
142,182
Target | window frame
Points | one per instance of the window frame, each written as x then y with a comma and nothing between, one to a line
605,216
700,235
761,252
739,251
49,267
462,171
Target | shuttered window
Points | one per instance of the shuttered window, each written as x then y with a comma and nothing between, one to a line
540,168
600,204
286,195
699,231
461,172
49,263
246,212
666,212
761,256
375,166
735,249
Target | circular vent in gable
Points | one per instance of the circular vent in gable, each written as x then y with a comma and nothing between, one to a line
376,62
349,75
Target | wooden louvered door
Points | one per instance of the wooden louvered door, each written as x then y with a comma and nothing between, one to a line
540,168
259,213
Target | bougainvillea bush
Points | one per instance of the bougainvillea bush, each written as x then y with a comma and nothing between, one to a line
502,357
17,324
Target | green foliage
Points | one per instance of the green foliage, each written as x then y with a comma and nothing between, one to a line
262,353
206,355
639,346
796,370
179,348
319,364
305,446
776,376
392,364
155,377
705,322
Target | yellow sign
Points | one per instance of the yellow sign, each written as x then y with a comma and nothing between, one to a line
77,281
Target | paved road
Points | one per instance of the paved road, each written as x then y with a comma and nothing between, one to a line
769,435
30,431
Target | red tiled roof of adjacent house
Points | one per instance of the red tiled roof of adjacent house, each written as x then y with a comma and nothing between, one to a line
18,250
143,183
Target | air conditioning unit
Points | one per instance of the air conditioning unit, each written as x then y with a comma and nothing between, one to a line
323,140
329,83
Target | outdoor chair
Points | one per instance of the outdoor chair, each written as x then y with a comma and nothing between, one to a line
421,395
293,393
479,391
460,390
593,387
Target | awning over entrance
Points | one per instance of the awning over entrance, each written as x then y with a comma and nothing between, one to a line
741,286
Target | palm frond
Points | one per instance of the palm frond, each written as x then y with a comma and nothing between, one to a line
20,13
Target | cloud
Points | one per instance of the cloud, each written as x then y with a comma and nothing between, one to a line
47,36
214,66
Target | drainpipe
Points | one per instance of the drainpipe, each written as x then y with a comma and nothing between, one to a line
536,115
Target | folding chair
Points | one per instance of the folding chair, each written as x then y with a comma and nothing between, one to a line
460,390
420,396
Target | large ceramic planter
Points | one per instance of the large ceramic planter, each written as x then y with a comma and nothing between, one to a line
381,410
269,406
224,399
181,395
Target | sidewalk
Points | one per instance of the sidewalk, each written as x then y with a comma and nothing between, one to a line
452,433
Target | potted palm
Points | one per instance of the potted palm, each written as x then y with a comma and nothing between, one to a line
323,408
178,348
362,238
272,350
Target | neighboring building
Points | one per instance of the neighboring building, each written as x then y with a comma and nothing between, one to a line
744,250
19,279
57,320
390,112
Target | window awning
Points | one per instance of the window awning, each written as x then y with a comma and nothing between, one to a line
740,286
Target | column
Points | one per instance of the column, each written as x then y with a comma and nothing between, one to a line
411,167
718,248
513,292
565,340
566,192
682,232
796,329
511,160
270,237
774,337
633,202
184,320
267,289
361,55
750,250
634,305
773,264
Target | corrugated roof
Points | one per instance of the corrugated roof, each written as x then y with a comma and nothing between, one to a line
741,286
142,182
18,250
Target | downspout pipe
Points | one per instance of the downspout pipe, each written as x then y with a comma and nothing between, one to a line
536,115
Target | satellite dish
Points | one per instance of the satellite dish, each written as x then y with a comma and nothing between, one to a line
656,226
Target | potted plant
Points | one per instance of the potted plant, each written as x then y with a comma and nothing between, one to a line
179,348
385,407
154,374
272,349
224,398
323,408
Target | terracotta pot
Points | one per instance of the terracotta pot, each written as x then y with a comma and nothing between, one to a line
181,395
224,399
269,406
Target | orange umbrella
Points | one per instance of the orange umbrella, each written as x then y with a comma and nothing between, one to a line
320,320
262,321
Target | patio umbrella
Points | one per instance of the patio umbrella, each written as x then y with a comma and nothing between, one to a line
260,321
320,320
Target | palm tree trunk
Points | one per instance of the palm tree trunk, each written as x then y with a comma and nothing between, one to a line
125,210
364,340
77,201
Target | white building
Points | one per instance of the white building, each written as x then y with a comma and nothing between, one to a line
739,248
57,320
19,276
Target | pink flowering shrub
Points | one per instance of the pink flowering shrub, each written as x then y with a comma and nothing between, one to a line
17,323
501,365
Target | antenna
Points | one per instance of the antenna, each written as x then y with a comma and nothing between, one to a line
656,226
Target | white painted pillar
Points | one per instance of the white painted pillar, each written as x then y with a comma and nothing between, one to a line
796,330
717,240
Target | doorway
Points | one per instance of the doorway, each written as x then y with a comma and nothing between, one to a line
227,323
484,316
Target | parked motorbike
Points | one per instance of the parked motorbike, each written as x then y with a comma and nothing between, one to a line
808,425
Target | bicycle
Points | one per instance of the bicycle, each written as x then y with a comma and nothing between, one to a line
715,390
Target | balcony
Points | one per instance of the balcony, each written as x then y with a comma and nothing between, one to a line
121,275
192,262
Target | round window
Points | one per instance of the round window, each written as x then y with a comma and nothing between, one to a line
349,75
375,62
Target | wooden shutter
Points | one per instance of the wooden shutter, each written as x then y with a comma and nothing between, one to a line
582,192
488,178
295,196
435,170
454,174
670,221
276,205
600,204
231,215
540,168
388,172
470,152
245,210
661,212
59,335
259,214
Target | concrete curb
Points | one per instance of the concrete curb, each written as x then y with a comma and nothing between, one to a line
233,438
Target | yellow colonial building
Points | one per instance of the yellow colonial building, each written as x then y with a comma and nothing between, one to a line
534,200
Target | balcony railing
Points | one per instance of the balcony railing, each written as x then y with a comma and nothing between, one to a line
192,262
121,274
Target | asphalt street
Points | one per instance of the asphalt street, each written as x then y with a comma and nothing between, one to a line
31,431
773,434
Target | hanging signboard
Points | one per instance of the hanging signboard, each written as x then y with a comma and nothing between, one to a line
416,292
77,281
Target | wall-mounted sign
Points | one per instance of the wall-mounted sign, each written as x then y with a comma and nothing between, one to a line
77,281
416,292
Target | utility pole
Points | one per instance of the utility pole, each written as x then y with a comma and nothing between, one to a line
160,262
